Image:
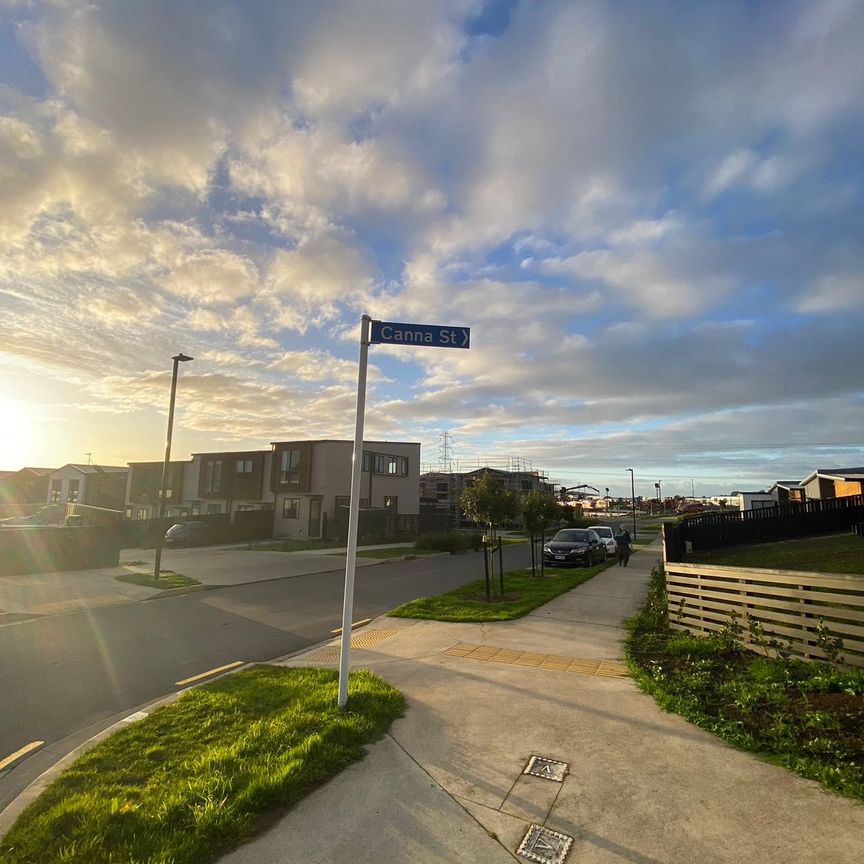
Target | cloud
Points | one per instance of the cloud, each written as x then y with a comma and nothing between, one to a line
643,215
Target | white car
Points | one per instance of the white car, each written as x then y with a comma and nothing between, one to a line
607,536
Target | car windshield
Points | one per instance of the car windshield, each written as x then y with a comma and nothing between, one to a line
176,529
571,535
604,532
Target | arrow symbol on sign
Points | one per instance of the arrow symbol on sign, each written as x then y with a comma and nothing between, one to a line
465,335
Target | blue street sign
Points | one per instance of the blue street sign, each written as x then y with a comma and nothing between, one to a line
430,335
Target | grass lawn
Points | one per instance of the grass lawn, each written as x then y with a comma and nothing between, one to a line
194,778
643,541
837,553
167,579
807,717
523,592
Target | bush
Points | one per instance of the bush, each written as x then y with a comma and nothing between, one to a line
451,542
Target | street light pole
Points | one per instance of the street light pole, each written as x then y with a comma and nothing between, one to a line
178,359
659,496
633,499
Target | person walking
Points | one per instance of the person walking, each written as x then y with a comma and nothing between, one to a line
622,544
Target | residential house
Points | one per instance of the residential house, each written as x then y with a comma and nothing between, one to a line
760,500
311,485
229,482
92,485
144,488
834,483
788,492
23,490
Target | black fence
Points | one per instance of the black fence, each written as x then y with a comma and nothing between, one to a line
46,550
784,522
219,528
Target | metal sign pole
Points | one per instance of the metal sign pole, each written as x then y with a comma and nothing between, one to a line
353,515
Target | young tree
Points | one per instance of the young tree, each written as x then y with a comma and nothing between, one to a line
539,512
488,502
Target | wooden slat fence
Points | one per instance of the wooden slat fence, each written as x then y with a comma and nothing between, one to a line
788,604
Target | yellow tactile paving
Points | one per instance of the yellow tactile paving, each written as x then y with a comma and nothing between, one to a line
366,639
555,662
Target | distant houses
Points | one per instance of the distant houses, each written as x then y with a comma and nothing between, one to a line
306,485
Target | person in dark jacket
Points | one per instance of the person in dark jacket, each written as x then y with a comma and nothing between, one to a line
622,544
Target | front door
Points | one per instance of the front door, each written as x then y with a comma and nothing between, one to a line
314,518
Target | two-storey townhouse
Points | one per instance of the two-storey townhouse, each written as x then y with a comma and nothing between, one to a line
230,482
93,485
311,482
144,488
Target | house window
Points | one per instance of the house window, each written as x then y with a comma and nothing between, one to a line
214,508
244,466
526,485
72,491
196,508
244,507
367,461
290,466
291,508
391,504
213,475
380,463
56,489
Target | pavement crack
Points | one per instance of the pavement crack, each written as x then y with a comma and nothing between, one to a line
456,799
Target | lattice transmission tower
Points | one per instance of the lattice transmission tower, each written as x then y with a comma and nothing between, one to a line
445,452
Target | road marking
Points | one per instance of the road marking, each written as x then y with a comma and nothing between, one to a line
354,626
27,748
210,672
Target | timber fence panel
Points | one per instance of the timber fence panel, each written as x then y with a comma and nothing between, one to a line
788,605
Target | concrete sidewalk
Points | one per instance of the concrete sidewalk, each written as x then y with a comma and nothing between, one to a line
447,783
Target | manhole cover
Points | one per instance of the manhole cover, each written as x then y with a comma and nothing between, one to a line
549,769
544,846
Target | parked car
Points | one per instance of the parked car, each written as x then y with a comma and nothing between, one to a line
186,534
607,535
50,514
574,546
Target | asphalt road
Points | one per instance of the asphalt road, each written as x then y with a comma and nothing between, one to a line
64,677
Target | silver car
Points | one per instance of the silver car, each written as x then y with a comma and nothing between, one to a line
607,535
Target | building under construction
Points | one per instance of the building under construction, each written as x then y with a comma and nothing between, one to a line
441,490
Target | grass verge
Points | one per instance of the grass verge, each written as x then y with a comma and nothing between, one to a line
401,552
807,717
167,579
193,779
287,545
836,553
523,592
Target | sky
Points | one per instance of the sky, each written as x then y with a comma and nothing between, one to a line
650,215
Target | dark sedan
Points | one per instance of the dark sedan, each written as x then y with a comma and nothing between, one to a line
186,534
574,547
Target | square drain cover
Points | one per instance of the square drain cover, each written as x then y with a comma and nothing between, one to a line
544,846
549,769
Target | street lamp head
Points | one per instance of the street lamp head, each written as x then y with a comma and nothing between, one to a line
182,358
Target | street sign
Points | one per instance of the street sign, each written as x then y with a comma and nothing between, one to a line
428,335
383,333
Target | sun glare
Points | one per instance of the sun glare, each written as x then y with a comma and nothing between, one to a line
16,430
